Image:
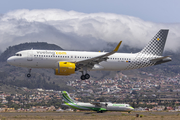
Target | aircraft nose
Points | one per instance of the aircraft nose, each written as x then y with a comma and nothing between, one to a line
131,108
10,60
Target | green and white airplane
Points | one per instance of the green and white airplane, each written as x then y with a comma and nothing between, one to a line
95,106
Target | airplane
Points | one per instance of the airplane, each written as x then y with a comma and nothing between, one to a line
95,106
67,62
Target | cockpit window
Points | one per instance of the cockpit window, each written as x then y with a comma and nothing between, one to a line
18,54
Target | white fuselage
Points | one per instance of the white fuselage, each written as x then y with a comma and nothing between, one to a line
108,107
50,59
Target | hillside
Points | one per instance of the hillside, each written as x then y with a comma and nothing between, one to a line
11,50
45,78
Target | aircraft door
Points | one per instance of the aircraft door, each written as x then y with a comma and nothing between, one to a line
106,105
29,55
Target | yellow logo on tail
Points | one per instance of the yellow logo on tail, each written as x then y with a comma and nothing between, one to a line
158,39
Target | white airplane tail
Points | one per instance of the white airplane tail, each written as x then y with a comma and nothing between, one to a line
154,49
156,45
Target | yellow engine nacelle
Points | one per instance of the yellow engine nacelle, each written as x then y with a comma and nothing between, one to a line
65,68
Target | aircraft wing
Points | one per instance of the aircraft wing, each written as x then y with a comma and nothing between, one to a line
89,63
96,103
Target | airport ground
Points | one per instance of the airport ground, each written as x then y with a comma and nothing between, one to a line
89,116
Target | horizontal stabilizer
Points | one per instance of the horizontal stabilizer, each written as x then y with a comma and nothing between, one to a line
158,59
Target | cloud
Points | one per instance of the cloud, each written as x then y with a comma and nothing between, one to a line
80,31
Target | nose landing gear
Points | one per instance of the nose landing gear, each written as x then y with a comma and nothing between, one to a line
29,74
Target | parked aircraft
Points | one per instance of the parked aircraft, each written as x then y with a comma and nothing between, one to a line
67,62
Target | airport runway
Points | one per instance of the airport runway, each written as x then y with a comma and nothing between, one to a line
86,113
89,116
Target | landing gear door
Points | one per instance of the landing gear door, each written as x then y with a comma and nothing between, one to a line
29,55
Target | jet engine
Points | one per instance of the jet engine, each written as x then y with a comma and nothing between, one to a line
65,68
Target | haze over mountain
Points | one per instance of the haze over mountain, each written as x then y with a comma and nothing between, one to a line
81,31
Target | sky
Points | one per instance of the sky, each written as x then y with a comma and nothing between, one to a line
88,25
165,11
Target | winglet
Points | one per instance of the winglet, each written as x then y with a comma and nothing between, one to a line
117,47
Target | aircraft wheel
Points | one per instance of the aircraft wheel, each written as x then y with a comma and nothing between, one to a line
83,77
87,76
28,75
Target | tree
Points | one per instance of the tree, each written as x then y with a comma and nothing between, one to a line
8,98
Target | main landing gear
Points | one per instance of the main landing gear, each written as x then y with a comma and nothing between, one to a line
100,111
86,76
29,74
